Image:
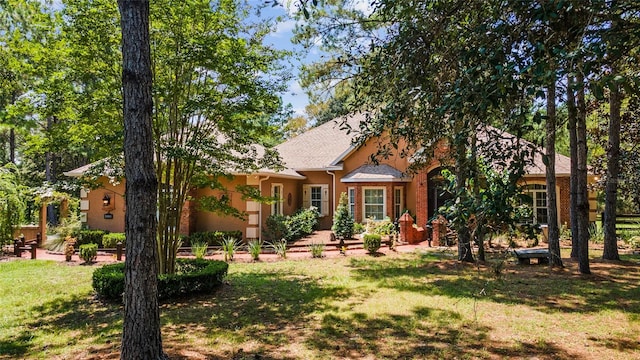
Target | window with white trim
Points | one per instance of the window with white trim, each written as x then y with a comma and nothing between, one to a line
316,196
352,201
374,206
276,193
398,202
538,193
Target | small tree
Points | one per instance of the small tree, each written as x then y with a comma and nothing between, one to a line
12,204
342,220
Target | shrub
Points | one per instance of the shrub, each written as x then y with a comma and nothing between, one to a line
342,220
276,227
88,252
372,243
634,242
292,228
212,238
192,276
199,249
358,228
111,240
383,227
316,250
90,237
254,247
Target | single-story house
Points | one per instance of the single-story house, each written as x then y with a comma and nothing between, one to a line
320,164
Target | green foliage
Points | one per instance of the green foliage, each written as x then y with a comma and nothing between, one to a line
111,240
88,252
192,276
12,203
69,226
358,228
316,249
384,227
292,228
212,238
634,242
229,247
276,227
254,247
372,243
280,248
596,233
199,249
90,237
343,221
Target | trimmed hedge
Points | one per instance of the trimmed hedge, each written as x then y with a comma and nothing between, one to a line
192,276
88,252
90,237
372,242
112,239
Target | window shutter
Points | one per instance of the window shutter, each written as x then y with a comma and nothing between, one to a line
306,196
325,200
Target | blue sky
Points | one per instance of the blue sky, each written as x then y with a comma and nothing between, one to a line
281,39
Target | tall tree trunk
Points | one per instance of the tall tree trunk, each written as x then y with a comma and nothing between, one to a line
571,125
582,199
613,170
141,336
462,174
12,145
552,208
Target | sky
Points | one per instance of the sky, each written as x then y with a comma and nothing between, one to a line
281,39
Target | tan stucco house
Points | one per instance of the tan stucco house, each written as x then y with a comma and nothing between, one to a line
320,164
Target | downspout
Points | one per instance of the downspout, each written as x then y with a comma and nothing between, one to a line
260,211
333,190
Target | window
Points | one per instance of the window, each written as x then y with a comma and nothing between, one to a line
276,192
538,193
398,202
374,206
317,196
352,202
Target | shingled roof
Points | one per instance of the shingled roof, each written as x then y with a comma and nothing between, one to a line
322,147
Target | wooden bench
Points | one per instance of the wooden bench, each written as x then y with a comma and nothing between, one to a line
525,255
20,245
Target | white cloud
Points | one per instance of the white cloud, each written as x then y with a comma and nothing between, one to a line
285,29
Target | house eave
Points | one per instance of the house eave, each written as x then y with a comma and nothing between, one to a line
374,180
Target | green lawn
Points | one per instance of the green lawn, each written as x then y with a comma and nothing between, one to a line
401,306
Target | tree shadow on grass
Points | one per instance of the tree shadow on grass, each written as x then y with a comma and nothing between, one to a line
266,309
427,333
89,321
610,287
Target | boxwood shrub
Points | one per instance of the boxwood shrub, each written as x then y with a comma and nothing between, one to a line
371,243
88,252
90,237
192,276
112,239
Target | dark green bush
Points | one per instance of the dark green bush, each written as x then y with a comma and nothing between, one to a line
211,238
372,243
88,252
276,228
112,239
192,276
90,237
294,227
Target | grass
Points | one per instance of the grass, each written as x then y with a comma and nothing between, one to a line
399,306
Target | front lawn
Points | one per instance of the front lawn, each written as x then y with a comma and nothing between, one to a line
400,306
